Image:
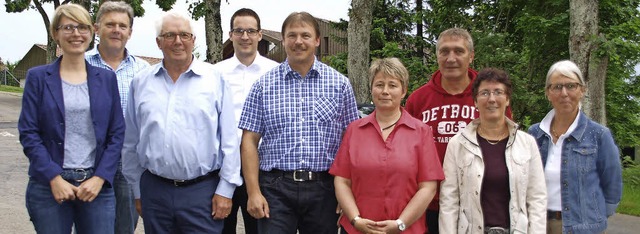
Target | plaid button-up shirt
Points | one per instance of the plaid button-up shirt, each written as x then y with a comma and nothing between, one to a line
125,71
301,120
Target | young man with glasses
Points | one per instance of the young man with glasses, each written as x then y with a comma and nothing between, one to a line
240,72
180,153
114,22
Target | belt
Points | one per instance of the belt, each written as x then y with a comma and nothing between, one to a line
496,230
179,183
557,215
300,175
76,175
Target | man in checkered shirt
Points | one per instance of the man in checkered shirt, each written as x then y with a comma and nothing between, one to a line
114,22
299,110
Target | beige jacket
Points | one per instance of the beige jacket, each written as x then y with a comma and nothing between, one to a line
460,209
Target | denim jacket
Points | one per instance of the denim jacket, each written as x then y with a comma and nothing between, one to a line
591,175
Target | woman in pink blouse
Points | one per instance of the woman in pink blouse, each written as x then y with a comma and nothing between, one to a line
386,170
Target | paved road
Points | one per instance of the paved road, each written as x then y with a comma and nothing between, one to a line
13,171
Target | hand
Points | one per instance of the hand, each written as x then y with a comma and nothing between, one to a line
368,226
139,206
89,189
221,207
62,190
388,226
257,206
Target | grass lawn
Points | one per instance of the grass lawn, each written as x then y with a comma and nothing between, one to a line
12,89
630,203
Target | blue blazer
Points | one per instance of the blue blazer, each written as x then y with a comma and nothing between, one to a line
41,122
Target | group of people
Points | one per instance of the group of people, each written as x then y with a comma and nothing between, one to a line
186,144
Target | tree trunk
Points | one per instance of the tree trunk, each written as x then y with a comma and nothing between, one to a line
358,32
419,33
213,31
583,47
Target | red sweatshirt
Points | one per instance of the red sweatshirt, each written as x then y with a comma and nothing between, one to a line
446,114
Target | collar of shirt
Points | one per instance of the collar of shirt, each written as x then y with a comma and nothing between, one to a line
291,74
196,68
404,120
95,54
545,124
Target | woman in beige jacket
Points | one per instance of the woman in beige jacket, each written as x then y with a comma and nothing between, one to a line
494,181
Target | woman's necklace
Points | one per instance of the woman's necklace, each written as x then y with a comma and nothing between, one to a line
393,124
500,138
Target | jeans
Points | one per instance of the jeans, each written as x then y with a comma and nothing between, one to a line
307,206
126,214
96,217
240,203
167,208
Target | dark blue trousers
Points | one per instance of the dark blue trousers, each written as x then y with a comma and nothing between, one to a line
186,209
307,206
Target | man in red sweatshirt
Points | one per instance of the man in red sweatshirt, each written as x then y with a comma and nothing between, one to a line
445,103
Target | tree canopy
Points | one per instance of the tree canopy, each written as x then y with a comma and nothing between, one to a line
522,37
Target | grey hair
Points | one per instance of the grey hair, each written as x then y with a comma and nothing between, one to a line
115,6
176,15
456,33
566,68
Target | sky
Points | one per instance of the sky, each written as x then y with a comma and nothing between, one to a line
21,30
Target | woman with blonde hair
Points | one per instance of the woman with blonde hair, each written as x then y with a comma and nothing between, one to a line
387,168
71,129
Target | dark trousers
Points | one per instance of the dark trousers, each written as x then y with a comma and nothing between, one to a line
240,201
432,221
167,208
307,206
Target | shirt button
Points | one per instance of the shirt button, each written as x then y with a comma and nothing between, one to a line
166,146
302,119
301,139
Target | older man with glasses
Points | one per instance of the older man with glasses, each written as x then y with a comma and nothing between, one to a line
180,154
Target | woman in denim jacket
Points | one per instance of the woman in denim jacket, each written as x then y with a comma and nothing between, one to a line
582,162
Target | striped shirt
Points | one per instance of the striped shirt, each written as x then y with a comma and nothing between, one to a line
125,72
301,120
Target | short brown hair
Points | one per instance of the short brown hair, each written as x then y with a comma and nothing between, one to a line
115,6
491,74
301,17
456,33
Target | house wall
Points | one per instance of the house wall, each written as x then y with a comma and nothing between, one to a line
34,57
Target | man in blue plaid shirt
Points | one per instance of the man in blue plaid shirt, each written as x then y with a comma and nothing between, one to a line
113,25
299,110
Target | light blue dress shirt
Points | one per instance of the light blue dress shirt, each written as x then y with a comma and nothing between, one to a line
181,130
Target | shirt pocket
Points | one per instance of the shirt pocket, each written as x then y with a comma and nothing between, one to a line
585,156
325,109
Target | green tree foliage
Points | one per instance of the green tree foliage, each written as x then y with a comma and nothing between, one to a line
524,38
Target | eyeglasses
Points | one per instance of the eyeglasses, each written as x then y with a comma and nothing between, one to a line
69,28
238,32
171,36
486,93
557,88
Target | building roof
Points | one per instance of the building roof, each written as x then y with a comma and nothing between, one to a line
150,60
44,47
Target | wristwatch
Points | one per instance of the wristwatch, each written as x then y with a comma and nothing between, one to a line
353,221
401,225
